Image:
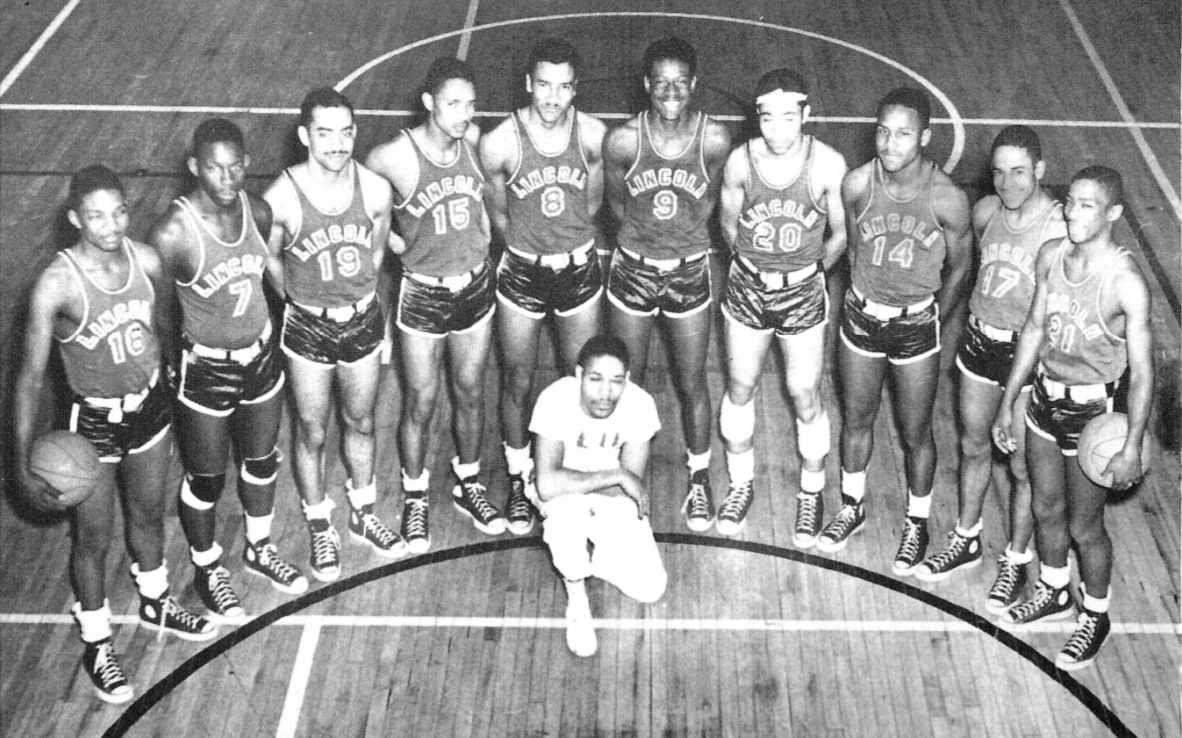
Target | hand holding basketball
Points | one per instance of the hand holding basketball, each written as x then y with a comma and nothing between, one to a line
1100,452
64,470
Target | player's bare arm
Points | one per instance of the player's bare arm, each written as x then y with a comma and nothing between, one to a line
716,150
1132,295
951,206
592,130
730,199
983,212
854,187
620,148
554,480
172,243
829,170
286,219
499,157
264,220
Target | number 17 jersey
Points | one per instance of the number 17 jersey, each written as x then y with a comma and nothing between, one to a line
1005,281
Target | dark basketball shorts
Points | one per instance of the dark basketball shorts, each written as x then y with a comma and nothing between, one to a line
1059,413
787,309
676,287
133,427
986,353
912,336
436,307
562,284
322,340
214,385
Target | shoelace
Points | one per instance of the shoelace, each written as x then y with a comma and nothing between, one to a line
269,559
519,506
1042,597
415,517
474,493
954,551
378,530
909,548
169,608
846,517
1078,643
219,587
1007,580
324,548
107,667
736,502
806,512
697,504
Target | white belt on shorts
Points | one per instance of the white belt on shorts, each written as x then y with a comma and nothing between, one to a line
997,334
557,262
342,314
453,284
243,356
878,311
128,403
777,280
1075,392
664,265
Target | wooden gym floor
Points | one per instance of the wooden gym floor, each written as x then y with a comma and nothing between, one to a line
753,637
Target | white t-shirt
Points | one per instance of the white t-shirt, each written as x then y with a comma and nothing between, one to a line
592,444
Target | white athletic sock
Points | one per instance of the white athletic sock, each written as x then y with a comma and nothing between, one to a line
320,511
740,467
853,485
972,532
1056,577
465,471
918,507
94,624
519,460
151,584
698,462
359,498
207,557
1022,558
419,485
812,481
1095,604
258,528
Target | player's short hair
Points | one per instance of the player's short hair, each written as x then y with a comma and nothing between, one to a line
322,97
1022,137
216,130
603,344
92,179
912,98
781,79
671,49
443,70
1109,180
554,51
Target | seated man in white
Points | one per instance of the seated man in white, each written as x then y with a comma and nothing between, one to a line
591,443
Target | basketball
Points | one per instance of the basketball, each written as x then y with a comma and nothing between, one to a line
1102,438
68,462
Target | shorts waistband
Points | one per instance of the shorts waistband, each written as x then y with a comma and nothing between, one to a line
997,334
1075,392
454,283
664,265
128,403
879,311
557,262
775,280
244,355
341,314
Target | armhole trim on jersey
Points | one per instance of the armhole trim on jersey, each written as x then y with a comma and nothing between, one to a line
641,135
578,139
703,123
414,147
183,205
932,200
139,264
300,197
870,196
1107,275
520,146
359,194
77,272
471,154
809,161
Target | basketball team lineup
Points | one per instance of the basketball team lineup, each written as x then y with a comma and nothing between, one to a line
571,264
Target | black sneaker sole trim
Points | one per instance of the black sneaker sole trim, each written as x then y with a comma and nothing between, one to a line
482,527
839,545
294,588
182,634
1019,627
941,576
397,552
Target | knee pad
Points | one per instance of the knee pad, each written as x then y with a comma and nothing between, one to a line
261,471
736,422
202,491
812,439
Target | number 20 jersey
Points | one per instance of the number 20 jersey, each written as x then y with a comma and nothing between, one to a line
781,229
1005,280
899,249
666,208
547,195
329,262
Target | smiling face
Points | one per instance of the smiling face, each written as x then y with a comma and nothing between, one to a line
452,107
1015,175
1088,211
782,115
669,86
601,383
552,90
101,219
220,168
898,138
329,137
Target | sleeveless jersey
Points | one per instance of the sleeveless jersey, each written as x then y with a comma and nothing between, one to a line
329,262
224,305
547,197
114,351
900,245
1005,280
781,228
1078,348
666,208
441,217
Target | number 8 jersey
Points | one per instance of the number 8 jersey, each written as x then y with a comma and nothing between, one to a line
441,217
1005,281
900,248
329,261
781,229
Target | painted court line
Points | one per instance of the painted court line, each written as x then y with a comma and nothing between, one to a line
466,36
665,624
27,59
289,719
231,110
1150,158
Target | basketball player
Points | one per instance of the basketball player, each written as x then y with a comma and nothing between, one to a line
331,220
446,301
592,436
911,233
228,369
781,191
1089,322
97,299
545,185
1010,227
662,171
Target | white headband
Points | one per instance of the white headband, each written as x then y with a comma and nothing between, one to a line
790,96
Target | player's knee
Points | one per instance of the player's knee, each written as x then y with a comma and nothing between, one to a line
468,393
918,435
202,491
311,434
1089,534
359,424
516,383
812,439
736,421
1048,510
806,401
261,471
973,446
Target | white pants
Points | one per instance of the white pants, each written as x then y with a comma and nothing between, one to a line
625,553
